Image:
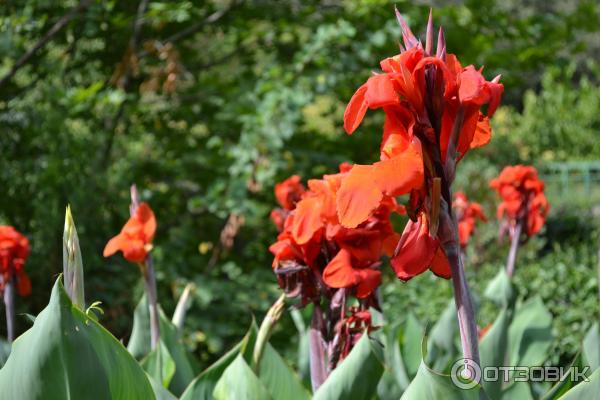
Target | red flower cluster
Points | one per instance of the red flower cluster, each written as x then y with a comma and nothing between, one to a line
14,249
314,252
432,118
467,212
135,239
523,199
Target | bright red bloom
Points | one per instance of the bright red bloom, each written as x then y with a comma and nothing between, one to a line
433,118
135,239
523,198
14,249
467,212
313,240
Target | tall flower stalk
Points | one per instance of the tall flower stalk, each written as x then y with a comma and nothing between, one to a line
433,117
135,241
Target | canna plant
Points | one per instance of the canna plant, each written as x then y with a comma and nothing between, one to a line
467,213
323,263
135,242
433,117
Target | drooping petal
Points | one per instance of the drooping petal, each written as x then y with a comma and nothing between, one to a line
399,175
483,132
339,272
381,92
416,250
358,196
307,220
146,216
440,265
355,110
368,280
115,244
134,250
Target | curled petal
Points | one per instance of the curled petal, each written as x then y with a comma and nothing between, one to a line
416,250
339,272
440,265
307,220
115,244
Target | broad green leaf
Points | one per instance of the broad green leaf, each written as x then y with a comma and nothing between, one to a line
431,385
517,390
279,379
139,345
159,364
585,390
66,355
591,348
412,335
445,329
202,387
239,382
357,376
393,358
493,350
500,289
530,334
159,391
561,387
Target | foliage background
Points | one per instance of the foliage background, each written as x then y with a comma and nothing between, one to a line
212,102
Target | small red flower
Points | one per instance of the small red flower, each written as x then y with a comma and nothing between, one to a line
467,212
14,249
523,199
135,239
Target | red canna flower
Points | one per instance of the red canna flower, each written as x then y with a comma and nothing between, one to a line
467,212
523,199
433,117
135,239
14,249
314,248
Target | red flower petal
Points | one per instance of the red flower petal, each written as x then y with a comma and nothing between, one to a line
358,196
416,250
339,272
355,110
307,220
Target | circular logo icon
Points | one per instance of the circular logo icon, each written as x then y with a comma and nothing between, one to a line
465,373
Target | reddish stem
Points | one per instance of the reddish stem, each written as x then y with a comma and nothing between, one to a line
514,246
318,364
9,303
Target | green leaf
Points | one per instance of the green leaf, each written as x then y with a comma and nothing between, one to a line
412,335
431,385
356,378
562,386
493,349
517,390
500,289
530,334
240,383
139,345
159,391
66,355
159,364
202,387
591,348
585,390
443,332
279,379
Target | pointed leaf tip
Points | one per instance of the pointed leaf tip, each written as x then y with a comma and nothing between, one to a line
72,262
429,36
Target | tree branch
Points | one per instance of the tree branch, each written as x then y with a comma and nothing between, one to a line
56,28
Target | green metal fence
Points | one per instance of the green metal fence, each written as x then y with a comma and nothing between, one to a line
572,178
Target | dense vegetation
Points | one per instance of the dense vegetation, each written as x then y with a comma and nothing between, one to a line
205,105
